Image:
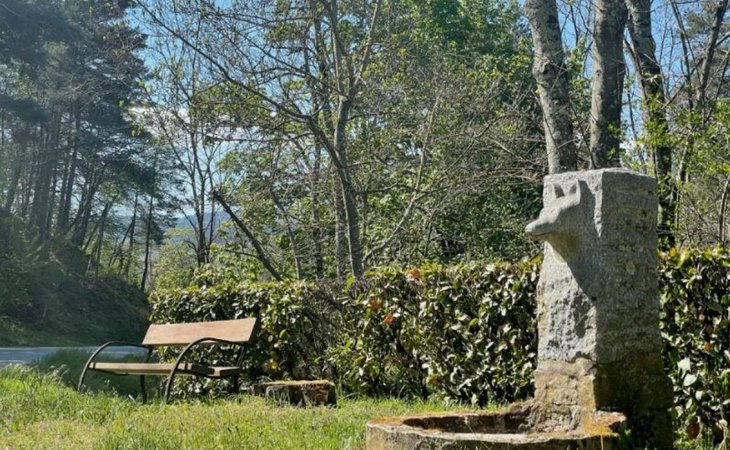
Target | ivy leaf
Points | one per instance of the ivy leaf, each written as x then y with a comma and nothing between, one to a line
684,365
689,380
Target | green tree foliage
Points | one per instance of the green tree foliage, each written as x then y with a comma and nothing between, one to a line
681,137
73,162
414,152
75,169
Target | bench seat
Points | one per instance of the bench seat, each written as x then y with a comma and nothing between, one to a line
164,369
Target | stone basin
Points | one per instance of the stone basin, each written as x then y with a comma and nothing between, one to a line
496,430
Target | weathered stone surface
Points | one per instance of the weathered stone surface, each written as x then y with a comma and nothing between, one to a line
598,305
498,430
300,393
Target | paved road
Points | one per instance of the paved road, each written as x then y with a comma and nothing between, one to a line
25,355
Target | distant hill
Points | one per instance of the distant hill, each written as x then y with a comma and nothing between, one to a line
218,218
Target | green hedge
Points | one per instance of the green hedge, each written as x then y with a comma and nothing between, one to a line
464,332
695,295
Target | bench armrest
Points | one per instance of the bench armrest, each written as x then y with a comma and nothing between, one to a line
98,351
122,344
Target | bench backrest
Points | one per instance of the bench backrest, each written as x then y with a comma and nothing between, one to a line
240,331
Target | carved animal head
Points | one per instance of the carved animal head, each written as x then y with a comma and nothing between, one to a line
563,215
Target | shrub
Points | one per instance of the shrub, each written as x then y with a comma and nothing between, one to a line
695,296
465,332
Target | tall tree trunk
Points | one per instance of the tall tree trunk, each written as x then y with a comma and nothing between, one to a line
317,235
51,200
3,157
29,176
16,172
64,211
96,259
609,69
42,188
550,73
148,235
340,227
132,226
348,190
201,246
83,216
651,80
118,252
708,60
723,207
21,138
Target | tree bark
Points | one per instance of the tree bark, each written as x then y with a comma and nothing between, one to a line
723,207
718,20
340,226
656,126
13,185
317,235
43,180
83,216
96,259
550,72
609,69
348,190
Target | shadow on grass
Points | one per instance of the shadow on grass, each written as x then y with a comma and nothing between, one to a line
67,365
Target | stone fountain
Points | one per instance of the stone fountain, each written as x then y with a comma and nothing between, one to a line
599,368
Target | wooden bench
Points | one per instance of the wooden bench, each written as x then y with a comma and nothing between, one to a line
223,332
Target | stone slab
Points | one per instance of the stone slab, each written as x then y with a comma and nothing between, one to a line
498,430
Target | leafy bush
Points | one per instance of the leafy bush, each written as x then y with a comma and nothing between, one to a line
695,295
464,332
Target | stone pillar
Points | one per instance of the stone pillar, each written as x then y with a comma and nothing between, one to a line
599,345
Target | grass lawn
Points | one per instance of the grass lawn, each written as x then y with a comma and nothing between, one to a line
40,412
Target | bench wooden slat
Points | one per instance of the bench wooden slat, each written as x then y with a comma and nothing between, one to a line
239,331
164,369
151,368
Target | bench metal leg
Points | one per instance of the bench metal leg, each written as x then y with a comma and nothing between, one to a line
142,389
234,383
168,385
82,377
